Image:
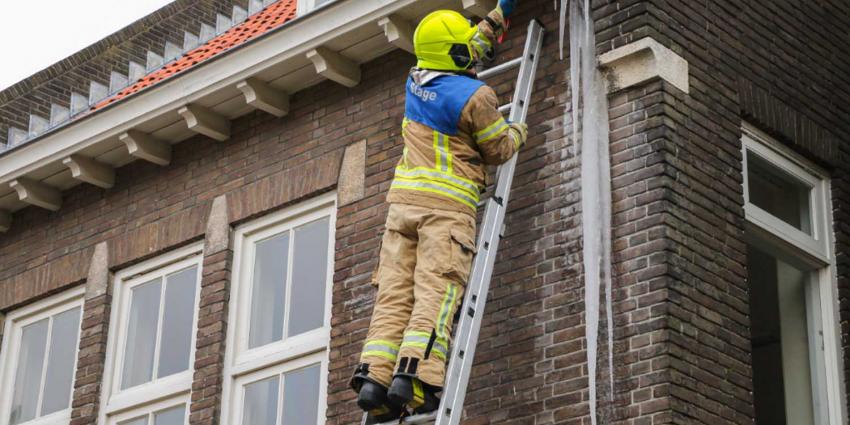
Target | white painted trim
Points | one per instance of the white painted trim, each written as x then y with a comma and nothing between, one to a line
479,8
265,98
295,39
239,361
113,399
819,246
152,408
833,351
12,332
144,146
816,244
641,61
90,171
334,66
399,31
237,398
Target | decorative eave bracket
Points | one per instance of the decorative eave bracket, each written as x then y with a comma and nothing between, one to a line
642,61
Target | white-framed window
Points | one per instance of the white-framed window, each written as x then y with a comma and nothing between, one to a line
306,6
151,348
797,371
38,360
277,346
168,412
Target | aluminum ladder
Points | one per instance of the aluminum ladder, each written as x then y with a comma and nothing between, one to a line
472,311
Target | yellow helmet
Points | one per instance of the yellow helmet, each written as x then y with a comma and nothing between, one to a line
443,41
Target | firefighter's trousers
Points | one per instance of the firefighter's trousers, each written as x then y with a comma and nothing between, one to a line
426,256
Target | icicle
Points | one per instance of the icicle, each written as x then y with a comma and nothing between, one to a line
562,16
589,96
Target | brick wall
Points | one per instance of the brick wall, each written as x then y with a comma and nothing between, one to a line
778,65
681,315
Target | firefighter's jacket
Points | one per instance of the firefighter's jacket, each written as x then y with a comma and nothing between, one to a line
452,129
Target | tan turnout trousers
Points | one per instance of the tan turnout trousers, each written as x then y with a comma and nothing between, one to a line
426,255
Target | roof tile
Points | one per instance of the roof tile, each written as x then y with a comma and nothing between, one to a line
271,17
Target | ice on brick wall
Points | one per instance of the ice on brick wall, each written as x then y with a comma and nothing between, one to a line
589,109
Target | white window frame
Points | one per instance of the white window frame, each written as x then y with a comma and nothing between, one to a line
152,408
243,365
132,402
16,320
815,252
240,382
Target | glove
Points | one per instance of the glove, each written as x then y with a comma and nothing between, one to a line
519,131
506,7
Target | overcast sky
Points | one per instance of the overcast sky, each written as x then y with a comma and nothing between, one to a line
37,34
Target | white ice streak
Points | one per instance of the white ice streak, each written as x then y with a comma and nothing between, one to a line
589,105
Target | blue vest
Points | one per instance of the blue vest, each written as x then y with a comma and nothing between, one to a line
438,103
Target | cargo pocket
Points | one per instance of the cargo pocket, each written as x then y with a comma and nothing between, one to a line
461,253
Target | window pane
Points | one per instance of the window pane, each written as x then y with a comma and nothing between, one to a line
260,407
176,339
173,416
301,396
60,362
779,193
309,277
269,290
782,365
28,377
141,334
137,421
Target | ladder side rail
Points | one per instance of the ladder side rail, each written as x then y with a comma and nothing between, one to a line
469,326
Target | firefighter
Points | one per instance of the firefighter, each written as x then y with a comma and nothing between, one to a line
451,130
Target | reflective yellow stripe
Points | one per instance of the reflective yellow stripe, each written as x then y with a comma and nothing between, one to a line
380,348
435,187
491,131
383,342
448,151
404,123
445,310
413,338
516,135
482,44
424,346
418,395
383,354
443,158
428,174
437,159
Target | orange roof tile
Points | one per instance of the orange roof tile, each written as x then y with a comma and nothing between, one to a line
268,19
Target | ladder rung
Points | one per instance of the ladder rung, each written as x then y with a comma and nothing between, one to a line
498,69
425,419
505,108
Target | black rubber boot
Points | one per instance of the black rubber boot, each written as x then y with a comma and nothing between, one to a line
371,396
411,392
373,400
401,390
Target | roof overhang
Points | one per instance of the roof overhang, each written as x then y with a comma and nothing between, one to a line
328,43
